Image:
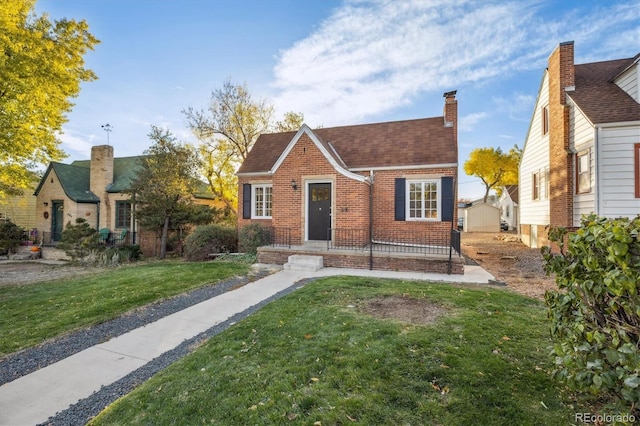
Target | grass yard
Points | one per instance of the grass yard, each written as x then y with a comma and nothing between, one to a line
30,314
315,358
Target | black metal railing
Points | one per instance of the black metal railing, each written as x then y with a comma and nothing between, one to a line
393,241
278,236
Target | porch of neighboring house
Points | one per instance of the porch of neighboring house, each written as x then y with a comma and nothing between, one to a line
374,250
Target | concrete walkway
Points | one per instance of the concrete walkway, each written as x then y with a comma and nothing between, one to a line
33,398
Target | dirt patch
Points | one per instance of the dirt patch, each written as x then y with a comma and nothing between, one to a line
511,262
29,272
405,309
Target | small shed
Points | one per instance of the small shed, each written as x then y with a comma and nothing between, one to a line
482,218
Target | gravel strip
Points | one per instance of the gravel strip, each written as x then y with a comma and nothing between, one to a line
85,409
21,363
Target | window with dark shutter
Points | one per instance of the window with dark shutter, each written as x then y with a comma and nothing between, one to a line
246,201
446,205
400,199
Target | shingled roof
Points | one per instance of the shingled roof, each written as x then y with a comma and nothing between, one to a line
125,170
601,100
419,142
74,181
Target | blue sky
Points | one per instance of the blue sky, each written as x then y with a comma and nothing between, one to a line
337,62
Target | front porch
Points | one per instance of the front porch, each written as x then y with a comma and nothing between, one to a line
407,252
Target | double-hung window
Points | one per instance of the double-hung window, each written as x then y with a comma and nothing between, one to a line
535,180
123,214
423,202
262,201
545,119
583,172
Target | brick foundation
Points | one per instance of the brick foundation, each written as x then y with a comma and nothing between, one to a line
359,260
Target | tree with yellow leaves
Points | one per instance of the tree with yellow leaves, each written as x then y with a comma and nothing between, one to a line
41,68
227,130
494,168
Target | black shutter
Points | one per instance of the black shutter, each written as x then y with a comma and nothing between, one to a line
400,198
446,206
246,201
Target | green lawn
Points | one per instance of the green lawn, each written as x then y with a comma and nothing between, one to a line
315,356
30,314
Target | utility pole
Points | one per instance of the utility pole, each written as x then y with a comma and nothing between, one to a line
107,128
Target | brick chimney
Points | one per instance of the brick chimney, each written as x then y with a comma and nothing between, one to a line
101,176
450,113
561,78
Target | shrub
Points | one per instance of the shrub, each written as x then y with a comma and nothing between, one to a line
80,239
10,236
595,317
252,236
209,239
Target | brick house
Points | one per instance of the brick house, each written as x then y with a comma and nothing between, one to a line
582,150
94,190
331,185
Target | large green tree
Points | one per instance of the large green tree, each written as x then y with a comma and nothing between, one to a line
41,69
494,168
164,187
227,129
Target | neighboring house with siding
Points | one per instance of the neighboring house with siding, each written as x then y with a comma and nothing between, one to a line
333,184
508,204
19,209
582,150
93,190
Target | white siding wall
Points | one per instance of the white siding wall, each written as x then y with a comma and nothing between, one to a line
628,81
616,171
535,157
581,134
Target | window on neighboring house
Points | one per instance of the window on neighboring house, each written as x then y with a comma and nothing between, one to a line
422,200
545,119
583,172
636,155
535,179
123,214
262,201
546,182
507,212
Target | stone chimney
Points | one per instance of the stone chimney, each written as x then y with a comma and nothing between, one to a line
451,113
101,176
561,80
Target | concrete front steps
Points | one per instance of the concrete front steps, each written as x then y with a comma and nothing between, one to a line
298,262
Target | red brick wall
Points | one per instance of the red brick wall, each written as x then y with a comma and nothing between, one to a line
561,75
384,207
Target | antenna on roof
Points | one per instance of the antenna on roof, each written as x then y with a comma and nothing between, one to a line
107,128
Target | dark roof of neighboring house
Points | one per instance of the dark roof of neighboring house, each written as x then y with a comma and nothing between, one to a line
513,192
598,97
125,170
398,143
74,181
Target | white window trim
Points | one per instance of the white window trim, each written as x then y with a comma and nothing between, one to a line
535,185
407,210
579,156
254,194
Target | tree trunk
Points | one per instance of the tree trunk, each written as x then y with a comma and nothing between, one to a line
163,239
486,194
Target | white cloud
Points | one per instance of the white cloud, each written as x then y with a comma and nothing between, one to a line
370,57
468,122
76,144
